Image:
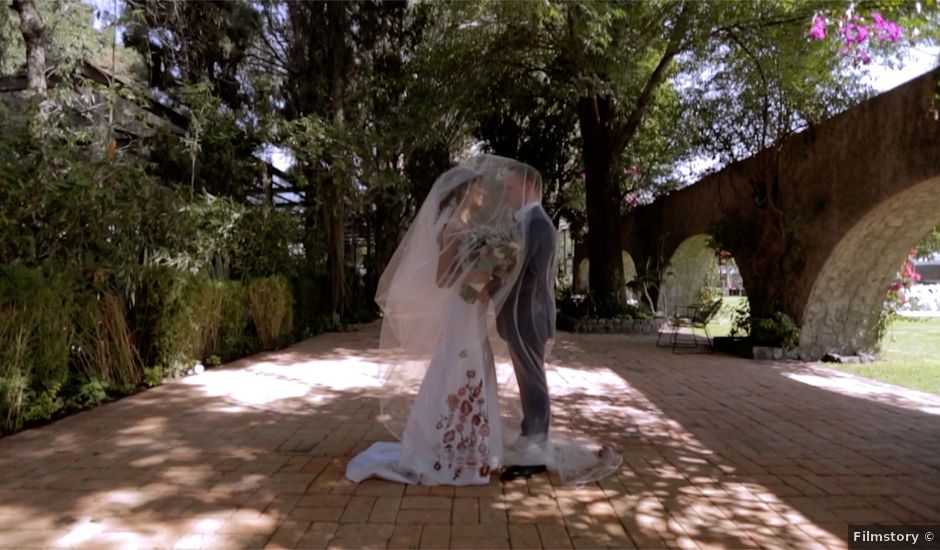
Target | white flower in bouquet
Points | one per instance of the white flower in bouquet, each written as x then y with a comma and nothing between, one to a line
489,251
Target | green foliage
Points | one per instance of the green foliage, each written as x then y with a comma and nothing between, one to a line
35,311
69,36
221,313
185,42
649,280
220,238
779,330
776,331
215,156
60,205
930,244
235,338
588,305
167,335
153,376
85,391
741,320
263,243
310,299
104,347
199,235
43,405
271,302
181,319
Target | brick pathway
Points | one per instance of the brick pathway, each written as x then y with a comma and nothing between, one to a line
718,452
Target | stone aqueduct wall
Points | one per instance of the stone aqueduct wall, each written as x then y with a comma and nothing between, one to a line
863,187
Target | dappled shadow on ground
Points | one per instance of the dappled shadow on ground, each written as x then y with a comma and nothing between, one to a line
216,460
741,453
717,451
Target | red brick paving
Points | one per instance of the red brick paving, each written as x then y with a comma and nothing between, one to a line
719,452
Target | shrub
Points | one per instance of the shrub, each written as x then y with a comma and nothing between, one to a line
35,314
105,348
167,335
234,338
588,305
777,331
262,243
271,304
182,318
221,314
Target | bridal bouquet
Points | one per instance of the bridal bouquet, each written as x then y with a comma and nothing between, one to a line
489,251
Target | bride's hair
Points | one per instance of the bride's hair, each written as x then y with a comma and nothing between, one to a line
455,196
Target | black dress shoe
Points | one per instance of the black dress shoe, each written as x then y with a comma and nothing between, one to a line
525,472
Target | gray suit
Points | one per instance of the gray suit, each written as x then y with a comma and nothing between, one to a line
527,320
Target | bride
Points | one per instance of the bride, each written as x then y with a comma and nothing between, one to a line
440,395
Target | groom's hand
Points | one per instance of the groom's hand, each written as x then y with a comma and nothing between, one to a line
484,295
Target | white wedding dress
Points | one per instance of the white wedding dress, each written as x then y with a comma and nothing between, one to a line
453,435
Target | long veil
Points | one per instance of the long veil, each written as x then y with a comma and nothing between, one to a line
468,239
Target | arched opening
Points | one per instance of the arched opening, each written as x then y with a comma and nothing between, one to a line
844,307
691,277
629,272
583,272
923,298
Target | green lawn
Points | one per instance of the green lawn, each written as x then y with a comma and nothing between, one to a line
910,352
910,356
720,325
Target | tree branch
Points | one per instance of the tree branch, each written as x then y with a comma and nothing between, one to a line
765,116
656,78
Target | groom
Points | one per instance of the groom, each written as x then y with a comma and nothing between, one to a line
527,318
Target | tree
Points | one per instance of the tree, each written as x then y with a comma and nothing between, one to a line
780,86
618,67
188,42
33,30
45,38
523,118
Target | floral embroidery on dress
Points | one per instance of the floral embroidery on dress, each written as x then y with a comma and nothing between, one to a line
465,428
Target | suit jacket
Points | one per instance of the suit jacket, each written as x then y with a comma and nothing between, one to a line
530,303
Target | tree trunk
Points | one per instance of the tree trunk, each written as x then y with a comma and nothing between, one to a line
604,137
334,204
333,214
604,242
33,35
580,254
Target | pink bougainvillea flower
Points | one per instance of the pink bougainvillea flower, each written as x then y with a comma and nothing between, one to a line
818,30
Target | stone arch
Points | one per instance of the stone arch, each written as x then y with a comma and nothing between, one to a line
690,269
583,272
629,273
842,312
629,270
